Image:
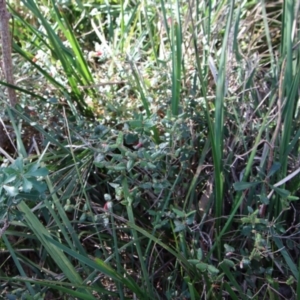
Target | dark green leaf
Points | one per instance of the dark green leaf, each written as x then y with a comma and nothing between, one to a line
264,199
38,172
212,270
275,167
18,164
135,124
202,266
179,226
229,263
281,192
179,213
40,186
130,164
199,254
193,261
131,139
240,186
27,185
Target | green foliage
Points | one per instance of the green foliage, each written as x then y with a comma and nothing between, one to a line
162,160
20,181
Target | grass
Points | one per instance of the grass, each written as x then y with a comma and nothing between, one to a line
155,151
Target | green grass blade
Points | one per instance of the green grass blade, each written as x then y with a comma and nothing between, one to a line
192,290
17,263
141,257
239,196
232,294
232,280
81,64
292,266
64,55
181,258
43,236
64,287
102,267
117,256
176,45
219,122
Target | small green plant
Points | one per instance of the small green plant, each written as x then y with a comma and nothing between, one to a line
20,181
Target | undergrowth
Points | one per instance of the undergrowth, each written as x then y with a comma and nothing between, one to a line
153,152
